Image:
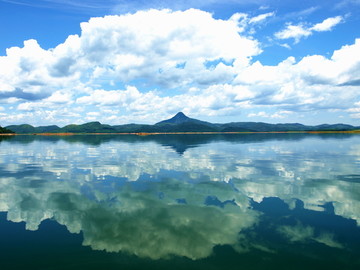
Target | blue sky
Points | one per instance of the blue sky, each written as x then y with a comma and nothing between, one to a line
141,61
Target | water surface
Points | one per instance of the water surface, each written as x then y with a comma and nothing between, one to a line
251,201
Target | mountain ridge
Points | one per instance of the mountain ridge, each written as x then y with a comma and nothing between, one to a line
179,123
4,130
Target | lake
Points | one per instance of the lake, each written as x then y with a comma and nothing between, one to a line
232,201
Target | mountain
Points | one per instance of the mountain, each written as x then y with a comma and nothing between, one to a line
265,127
179,123
5,130
47,129
178,118
92,127
262,127
334,127
28,129
22,129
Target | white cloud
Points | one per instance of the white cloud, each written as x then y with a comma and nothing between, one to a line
276,115
93,113
247,24
27,73
328,24
26,106
355,115
167,61
151,44
22,117
57,100
59,97
313,82
285,45
258,114
355,111
261,17
301,30
293,31
114,97
148,45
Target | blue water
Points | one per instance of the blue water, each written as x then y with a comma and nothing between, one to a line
251,201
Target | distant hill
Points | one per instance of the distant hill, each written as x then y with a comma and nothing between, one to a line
178,123
5,130
92,127
45,129
28,129
22,129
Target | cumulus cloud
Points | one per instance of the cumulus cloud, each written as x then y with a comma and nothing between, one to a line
159,47
26,73
151,45
21,94
297,32
171,61
103,97
293,31
290,85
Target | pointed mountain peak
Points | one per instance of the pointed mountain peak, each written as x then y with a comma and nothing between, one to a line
180,115
179,118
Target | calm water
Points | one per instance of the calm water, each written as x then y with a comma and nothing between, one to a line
258,201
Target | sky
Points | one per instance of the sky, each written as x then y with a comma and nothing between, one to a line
119,62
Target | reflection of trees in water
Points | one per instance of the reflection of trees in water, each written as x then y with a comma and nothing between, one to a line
189,203
179,142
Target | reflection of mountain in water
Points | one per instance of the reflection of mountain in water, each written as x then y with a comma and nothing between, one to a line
179,142
132,196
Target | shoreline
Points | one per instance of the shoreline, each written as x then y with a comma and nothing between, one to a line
184,133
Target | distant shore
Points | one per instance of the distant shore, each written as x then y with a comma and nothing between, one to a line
182,133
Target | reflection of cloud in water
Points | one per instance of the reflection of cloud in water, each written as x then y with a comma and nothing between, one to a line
143,220
104,190
159,230
303,233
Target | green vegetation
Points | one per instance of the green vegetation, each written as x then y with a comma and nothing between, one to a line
181,123
22,129
5,130
92,127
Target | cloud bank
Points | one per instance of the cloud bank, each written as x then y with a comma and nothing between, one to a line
125,67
